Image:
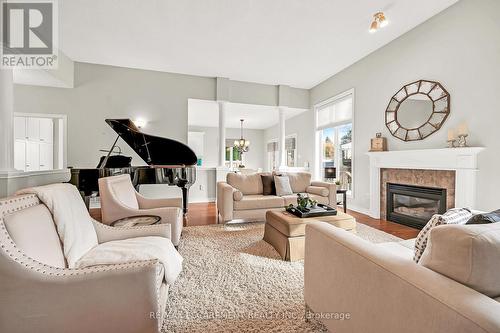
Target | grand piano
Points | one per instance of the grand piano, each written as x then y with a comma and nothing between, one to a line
169,162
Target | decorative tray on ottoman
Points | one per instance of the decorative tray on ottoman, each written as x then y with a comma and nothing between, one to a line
319,210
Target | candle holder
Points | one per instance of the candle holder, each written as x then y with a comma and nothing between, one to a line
451,143
462,140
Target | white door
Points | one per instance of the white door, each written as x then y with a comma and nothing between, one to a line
33,156
20,128
20,155
46,130
46,156
34,129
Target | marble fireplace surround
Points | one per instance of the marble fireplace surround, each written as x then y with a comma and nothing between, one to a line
461,161
427,178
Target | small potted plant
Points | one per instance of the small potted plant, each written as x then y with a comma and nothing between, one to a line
304,202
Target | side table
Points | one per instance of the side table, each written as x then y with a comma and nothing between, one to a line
344,199
135,221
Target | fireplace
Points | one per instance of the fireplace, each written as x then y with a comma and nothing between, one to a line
414,205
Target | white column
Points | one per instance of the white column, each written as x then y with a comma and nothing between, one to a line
281,138
222,132
6,121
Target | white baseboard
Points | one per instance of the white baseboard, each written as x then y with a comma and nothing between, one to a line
358,209
201,200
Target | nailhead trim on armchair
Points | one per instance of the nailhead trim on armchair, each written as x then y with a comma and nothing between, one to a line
9,249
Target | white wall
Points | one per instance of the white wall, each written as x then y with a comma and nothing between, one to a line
254,158
62,77
262,94
102,92
459,48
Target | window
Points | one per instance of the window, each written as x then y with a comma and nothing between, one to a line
337,111
273,154
291,151
334,133
233,156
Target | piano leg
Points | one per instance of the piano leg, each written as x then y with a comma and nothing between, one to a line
184,200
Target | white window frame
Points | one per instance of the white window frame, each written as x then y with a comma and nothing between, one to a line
268,160
296,158
232,163
318,129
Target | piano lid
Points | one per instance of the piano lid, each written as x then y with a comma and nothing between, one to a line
152,149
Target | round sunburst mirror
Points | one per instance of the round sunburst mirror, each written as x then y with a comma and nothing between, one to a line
417,110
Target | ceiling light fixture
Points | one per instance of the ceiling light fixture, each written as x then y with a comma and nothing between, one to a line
379,21
140,123
242,145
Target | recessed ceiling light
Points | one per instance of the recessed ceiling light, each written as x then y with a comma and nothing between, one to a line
379,21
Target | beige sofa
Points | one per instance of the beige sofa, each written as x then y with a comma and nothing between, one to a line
357,286
241,196
39,293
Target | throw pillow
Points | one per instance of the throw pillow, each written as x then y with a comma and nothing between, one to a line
299,181
282,184
452,216
268,186
485,218
468,254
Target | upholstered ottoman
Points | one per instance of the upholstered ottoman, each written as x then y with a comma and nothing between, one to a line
286,232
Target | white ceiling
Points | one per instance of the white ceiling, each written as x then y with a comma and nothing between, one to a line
205,113
291,42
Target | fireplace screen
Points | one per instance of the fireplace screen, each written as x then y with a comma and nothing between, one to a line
414,205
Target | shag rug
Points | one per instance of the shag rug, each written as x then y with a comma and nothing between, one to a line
233,281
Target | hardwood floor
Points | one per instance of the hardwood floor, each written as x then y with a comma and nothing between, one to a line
392,228
201,214
206,213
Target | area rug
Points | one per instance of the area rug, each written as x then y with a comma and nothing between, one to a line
233,281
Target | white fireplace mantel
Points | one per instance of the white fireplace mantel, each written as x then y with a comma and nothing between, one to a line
461,160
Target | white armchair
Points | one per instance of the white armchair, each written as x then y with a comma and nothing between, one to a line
39,293
119,199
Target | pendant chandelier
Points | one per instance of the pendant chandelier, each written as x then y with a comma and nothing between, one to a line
242,144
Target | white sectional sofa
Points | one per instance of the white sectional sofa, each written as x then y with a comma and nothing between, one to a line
365,287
